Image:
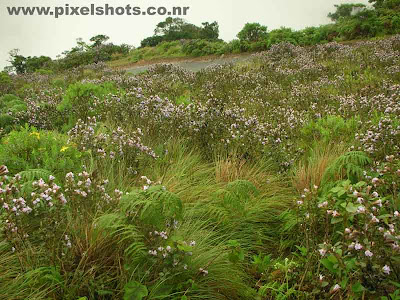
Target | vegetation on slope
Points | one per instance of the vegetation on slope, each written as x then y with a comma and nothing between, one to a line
274,179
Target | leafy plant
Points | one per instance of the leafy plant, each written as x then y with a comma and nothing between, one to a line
31,149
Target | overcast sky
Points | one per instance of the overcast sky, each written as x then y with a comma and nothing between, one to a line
45,35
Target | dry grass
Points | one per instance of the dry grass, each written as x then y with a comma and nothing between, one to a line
310,172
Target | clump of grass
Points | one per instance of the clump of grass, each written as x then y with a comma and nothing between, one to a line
311,170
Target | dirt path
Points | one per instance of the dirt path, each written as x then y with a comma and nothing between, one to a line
191,64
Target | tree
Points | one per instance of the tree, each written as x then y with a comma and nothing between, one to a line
169,25
345,11
18,62
98,40
210,31
388,4
173,29
22,64
151,41
253,32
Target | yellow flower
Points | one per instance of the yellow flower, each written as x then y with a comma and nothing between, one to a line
64,148
37,134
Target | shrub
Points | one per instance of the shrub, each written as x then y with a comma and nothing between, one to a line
83,100
356,242
331,129
103,142
35,213
5,83
380,136
31,149
13,112
253,32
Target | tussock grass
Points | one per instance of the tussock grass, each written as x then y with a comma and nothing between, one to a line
311,170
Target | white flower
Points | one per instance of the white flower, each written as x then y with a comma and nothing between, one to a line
322,252
374,219
368,253
153,252
358,246
336,287
204,272
51,177
361,209
323,204
396,214
386,269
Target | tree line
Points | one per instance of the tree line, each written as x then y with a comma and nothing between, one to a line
349,21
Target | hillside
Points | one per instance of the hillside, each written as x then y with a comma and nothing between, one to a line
277,177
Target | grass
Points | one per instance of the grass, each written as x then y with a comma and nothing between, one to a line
237,149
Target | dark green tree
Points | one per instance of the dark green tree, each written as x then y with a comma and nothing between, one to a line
386,4
98,40
345,11
253,32
209,31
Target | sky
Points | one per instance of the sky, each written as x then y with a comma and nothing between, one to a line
45,35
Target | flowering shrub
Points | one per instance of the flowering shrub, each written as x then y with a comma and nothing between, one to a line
33,212
357,226
104,142
87,194
381,138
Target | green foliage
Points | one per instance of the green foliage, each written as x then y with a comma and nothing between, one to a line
99,39
31,149
345,11
84,54
331,129
151,41
352,164
12,112
252,32
283,34
135,291
203,47
80,98
155,207
174,29
29,64
5,83
236,253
